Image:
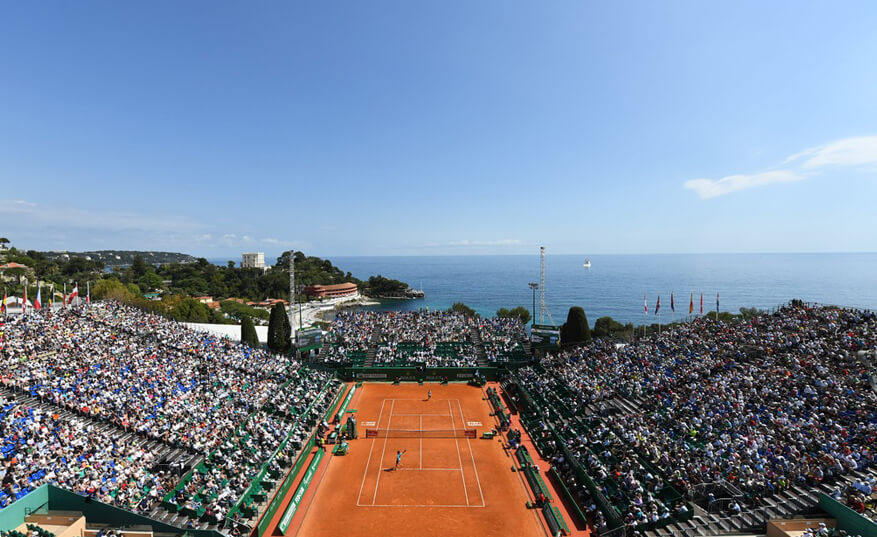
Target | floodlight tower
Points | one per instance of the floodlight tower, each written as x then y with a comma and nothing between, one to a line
543,309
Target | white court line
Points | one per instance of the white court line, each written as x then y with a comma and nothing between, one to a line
365,473
427,469
445,415
392,405
421,442
421,399
474,467
433,505
459,458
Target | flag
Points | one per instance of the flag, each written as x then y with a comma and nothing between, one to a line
3,309
645,304
691,305
73,294
24,304
658,305
87,293
36,303
717,302
701,303
672,305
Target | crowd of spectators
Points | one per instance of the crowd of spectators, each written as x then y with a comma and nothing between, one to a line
40,447
269,436
428,338
401,338
184,388
121,371
502,338
763,404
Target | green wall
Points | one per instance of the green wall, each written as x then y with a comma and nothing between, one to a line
13,516
847,519
50,497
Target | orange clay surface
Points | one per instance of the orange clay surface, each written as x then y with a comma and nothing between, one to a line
444,487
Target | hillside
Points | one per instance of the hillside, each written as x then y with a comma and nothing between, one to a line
122,258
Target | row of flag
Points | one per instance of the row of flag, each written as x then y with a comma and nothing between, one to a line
673,304
38,301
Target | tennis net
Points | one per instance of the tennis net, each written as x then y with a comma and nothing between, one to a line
420,433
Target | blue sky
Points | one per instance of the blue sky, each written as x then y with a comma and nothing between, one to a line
372,128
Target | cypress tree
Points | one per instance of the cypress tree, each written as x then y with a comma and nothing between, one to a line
279,330
248,332
576,329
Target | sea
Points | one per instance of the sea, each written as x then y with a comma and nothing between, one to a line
616,285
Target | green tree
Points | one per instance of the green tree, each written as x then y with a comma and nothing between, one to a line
191,310
607,327
750,313
248,332
576,329
279,330
138,266
459,307
381,286
150,281
111,289
238,311
520,312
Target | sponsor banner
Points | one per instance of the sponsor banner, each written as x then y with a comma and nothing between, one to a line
300,492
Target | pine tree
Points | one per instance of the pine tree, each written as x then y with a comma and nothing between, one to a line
248,332
279,330
576,329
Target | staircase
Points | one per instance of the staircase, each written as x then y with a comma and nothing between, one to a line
372,348
528,348
475,338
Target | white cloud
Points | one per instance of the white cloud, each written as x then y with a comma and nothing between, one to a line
65,216
709,188
849,152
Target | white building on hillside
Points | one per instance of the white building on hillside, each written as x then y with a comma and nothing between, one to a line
255,260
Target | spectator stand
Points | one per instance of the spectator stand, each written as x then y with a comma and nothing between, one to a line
270,518
552,442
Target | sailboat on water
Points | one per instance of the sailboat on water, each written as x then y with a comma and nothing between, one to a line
587,263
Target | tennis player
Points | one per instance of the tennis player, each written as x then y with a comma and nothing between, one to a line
399,459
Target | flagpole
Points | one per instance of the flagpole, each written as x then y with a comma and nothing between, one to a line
64,298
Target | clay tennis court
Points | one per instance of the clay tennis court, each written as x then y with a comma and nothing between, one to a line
447,484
